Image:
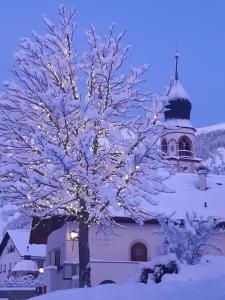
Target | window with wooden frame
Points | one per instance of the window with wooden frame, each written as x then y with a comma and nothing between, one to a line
57,262
139,252
40,263
49,261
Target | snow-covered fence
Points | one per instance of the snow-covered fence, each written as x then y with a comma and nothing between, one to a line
24,281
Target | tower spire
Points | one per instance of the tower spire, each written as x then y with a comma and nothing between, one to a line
176,69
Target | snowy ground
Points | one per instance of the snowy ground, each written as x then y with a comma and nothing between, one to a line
205,281
196,290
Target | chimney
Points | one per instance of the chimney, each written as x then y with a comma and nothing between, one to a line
202,173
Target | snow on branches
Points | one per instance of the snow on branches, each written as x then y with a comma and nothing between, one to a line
188,239
69,141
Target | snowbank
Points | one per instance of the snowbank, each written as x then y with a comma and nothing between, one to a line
210,268
196,290
205,281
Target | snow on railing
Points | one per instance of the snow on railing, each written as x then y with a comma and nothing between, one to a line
24,281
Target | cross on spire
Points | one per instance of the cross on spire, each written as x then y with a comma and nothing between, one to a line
176,69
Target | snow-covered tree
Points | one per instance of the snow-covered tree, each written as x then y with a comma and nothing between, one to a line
210,146
188,239
71,140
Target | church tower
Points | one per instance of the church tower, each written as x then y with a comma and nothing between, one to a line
177,142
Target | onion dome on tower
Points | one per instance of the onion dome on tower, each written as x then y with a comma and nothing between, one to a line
178,139
179,105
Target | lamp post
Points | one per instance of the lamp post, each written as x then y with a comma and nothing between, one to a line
74,235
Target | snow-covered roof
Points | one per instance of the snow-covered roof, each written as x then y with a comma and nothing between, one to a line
211,128
170,123
25,265
183,195
188,197
176,90
20,238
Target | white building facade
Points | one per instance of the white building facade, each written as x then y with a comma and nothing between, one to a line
113,256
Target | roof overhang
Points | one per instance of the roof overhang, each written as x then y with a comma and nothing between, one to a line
42,228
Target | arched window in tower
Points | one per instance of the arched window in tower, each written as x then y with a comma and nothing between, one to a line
164,146
185,146
139,252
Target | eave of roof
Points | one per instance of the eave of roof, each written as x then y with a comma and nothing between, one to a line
42,228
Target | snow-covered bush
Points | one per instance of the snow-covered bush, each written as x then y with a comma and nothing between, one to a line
158,267
188,239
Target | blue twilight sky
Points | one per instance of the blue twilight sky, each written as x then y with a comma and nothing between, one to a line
154,27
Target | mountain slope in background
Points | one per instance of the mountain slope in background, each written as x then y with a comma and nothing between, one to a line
210,146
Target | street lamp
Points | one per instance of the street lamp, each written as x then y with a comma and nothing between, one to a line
74,235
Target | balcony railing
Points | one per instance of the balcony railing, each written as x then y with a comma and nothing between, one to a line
186,153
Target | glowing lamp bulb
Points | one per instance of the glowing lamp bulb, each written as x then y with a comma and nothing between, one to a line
74,235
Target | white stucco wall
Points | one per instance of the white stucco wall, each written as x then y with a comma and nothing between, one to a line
117,245
57,240
110,254
116,271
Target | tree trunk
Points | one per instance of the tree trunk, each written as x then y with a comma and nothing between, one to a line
84,255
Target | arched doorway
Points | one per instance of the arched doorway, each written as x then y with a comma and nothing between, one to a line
139,252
